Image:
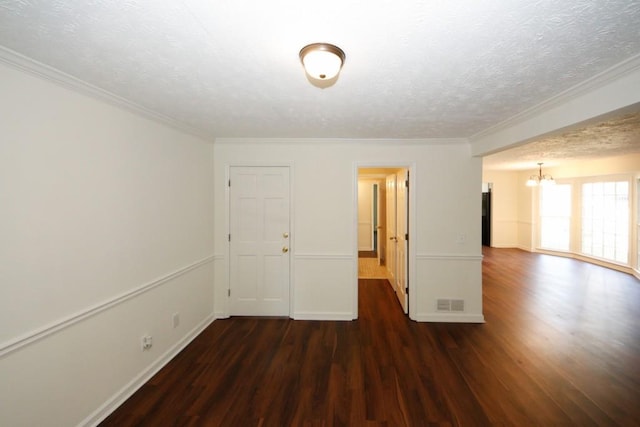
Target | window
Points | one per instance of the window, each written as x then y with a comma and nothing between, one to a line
605,220
555,216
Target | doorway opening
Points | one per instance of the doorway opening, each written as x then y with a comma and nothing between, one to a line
383,227
486,213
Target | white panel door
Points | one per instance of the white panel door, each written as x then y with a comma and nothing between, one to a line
365,217
382,223
391,229
259,241
402,238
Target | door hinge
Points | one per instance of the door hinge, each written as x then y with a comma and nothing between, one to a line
228,292
406,183
229,237
229,183
406,237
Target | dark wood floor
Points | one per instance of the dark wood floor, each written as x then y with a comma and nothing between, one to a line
560,346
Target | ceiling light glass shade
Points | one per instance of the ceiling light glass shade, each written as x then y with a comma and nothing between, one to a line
322,61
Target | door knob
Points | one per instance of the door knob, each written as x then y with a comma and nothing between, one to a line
285,249
285,235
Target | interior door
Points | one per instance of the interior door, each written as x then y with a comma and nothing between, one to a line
402,238
382,223
365,217
392,238
259,241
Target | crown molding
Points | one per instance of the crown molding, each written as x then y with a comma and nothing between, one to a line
30,66
341,141
619,70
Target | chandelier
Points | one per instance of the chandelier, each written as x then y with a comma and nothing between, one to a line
540,179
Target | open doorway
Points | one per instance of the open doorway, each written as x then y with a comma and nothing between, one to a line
486,213
383,228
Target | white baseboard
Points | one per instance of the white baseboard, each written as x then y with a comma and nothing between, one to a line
449,318
221,315
314,315
129,389
506,246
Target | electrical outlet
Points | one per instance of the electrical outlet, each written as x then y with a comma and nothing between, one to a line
147,342
176,320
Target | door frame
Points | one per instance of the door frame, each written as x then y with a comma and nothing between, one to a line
411,256
227,213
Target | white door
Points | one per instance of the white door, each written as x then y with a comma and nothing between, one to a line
402,238
382,223
259,241
365,217
391,229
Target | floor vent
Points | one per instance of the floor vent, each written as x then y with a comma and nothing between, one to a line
457,305
450,305
444,305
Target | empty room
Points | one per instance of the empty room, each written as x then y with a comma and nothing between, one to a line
188,188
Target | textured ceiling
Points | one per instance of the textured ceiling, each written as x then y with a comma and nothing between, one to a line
414,68
609,138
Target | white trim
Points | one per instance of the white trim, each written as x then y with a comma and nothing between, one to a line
355,141
46,72
319,315
139,380
221,314
599,80
328,257
450,318
450,257
588,259
54,327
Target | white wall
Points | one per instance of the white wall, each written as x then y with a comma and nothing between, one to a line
504,208
445,247
106,225
626,164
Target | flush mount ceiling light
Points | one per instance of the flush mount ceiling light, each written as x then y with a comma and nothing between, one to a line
540,179
322,61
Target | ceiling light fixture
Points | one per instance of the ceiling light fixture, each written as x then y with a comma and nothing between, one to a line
322,61
540,179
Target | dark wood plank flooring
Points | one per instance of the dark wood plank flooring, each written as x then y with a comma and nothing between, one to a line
560,346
